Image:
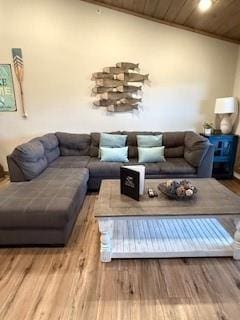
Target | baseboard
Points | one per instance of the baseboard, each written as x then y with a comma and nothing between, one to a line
236,175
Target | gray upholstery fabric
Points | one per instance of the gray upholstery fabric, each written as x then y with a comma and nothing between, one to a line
73,144
15,172
48,201
95,140
150,168
30,158
205,168
99,168
174,152
176,166
174,144
70,162
196,148
50,144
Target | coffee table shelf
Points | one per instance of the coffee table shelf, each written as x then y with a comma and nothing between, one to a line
170,238
167,228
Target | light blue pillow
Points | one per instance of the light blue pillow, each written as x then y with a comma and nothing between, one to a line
113,140
114,154
155,154
146,141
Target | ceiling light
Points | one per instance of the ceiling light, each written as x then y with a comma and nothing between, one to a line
204,5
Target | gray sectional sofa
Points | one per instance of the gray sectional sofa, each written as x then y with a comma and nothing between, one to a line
51,174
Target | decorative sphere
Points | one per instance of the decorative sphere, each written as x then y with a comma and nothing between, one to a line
180,191
169,183
189,192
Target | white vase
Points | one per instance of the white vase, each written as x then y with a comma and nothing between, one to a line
226,124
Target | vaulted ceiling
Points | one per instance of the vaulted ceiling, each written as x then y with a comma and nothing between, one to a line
221,21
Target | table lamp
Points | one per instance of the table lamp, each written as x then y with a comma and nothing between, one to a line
226,106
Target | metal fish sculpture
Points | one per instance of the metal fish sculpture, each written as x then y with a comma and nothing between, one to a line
102,75
131,77
127,65
130,100
99,90
103,103
130,89
115,95
114,70
19,71
109,83
122,108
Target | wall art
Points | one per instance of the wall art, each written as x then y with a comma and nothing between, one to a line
117,88
7,95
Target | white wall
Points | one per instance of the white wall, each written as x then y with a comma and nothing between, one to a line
63,42
236,93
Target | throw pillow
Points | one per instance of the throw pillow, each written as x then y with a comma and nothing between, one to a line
112,140
155,154
146,141
114,154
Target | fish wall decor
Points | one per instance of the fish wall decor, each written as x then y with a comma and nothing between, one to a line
118,87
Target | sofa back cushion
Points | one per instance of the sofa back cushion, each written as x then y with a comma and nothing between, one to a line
95,141
196,148
30,158
73,144
50,144
174,144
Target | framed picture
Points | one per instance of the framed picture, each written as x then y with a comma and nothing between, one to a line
7,95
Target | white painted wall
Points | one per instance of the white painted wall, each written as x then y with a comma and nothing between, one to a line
236,93
64,41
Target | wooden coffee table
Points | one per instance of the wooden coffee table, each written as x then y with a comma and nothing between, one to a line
164,228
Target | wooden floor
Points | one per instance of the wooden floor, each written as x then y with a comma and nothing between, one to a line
71,283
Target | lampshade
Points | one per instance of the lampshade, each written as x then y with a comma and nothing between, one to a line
226,105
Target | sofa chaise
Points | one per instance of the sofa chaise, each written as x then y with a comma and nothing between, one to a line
50,176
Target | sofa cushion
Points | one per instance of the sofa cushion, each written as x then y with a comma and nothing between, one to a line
174,144
30,158
95,142
196,147
50,144
48,201
176,166
73,144
150,168
132,141
99,168
70,162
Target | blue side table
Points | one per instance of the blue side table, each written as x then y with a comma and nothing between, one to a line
224,155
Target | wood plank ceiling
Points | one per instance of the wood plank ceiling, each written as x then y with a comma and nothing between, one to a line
221,21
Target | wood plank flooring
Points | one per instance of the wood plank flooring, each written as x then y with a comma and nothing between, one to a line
71,282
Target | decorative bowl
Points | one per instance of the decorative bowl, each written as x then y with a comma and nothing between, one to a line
178,190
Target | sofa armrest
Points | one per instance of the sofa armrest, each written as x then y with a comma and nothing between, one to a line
206,166
195,148
15,173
